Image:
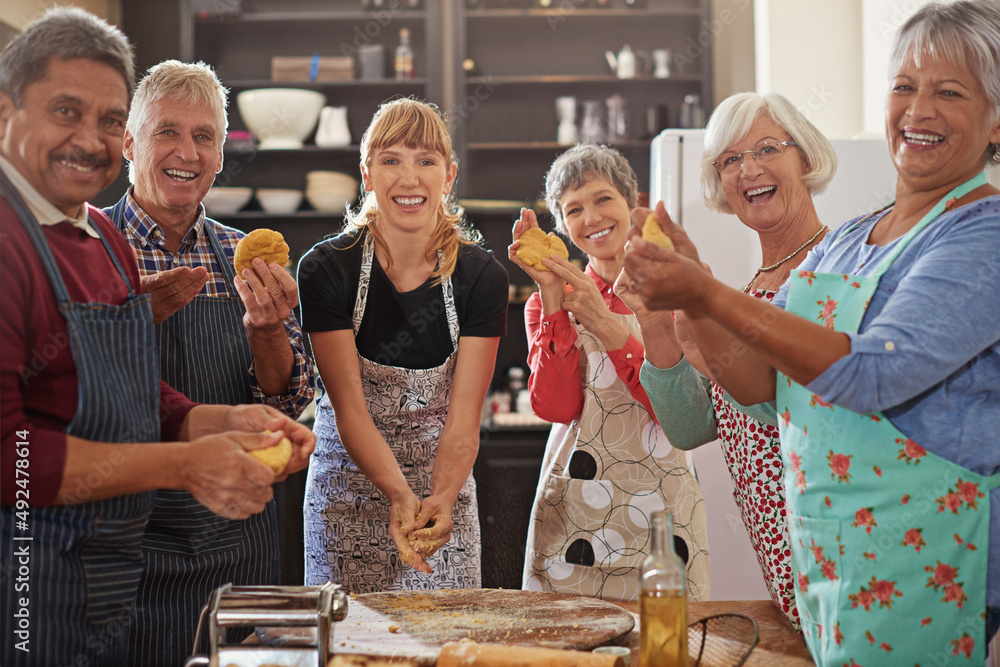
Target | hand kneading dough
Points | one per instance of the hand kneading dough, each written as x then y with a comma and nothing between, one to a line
277,457
267,244
536,244
652,232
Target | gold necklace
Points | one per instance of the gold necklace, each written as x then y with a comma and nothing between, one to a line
782,261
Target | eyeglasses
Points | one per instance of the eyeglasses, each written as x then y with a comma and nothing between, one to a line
762,152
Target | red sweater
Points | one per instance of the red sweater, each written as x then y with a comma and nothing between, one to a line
38,380
555,385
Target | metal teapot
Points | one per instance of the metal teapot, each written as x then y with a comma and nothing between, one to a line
625,64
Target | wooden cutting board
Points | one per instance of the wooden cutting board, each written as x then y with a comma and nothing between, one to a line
414,625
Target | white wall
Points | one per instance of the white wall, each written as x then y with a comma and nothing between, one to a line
733,48
811,51
880,20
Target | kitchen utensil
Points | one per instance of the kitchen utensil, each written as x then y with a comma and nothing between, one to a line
692,114
566,134
458,654
279,201
623,652
280,118
226,201
627,63
333,131
415,625
656,120
314,607
591,129
723,640
618,129
661,63
372,61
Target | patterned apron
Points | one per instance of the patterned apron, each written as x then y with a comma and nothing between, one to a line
346,518
190,551
85,558
602,478
889,541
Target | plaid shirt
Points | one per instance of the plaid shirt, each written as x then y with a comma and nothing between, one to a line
146,238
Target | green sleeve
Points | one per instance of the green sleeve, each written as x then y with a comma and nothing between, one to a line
682,403
762,412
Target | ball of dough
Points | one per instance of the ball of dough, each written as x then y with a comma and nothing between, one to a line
276,457
536,244
267,244
652,232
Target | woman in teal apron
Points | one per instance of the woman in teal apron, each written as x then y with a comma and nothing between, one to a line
886,368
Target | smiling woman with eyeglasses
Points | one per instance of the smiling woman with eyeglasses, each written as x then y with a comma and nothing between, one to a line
763,161
766,150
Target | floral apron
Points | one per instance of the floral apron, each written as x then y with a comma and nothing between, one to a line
346,517
889,541
602,478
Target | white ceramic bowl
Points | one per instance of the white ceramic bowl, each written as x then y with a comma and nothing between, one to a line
226,201
331,180
279,200
280,117
329,202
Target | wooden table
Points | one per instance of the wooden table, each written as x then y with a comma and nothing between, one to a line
779,645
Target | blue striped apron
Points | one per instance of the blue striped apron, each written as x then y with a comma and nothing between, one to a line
190,551
86,560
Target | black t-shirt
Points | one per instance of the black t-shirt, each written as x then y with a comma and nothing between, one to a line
404,329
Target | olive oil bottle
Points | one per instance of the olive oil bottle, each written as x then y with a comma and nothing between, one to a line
663,600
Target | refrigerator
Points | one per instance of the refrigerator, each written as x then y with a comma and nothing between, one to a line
865,180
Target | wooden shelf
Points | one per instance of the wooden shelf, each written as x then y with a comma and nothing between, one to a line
319,85
287,217
539,145
309,148
547,79
311,16
574,12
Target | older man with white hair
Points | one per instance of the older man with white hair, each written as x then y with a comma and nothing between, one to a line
223,338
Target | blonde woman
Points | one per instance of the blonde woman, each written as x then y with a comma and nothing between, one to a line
404,312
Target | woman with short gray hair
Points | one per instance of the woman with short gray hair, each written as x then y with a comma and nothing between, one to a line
608,465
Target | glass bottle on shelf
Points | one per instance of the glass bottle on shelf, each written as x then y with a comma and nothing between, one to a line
662,599
404,56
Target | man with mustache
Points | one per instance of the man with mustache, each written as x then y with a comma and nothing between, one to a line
227,339
82,408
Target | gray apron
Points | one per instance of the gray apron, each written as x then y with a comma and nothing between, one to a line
346,518
190,551
85,559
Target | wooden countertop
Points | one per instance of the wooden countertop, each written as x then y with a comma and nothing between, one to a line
779,645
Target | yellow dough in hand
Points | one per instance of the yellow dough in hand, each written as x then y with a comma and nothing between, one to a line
267,244
652,232
536,244
276,457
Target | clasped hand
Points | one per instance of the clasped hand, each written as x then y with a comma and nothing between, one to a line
419,529
220,474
